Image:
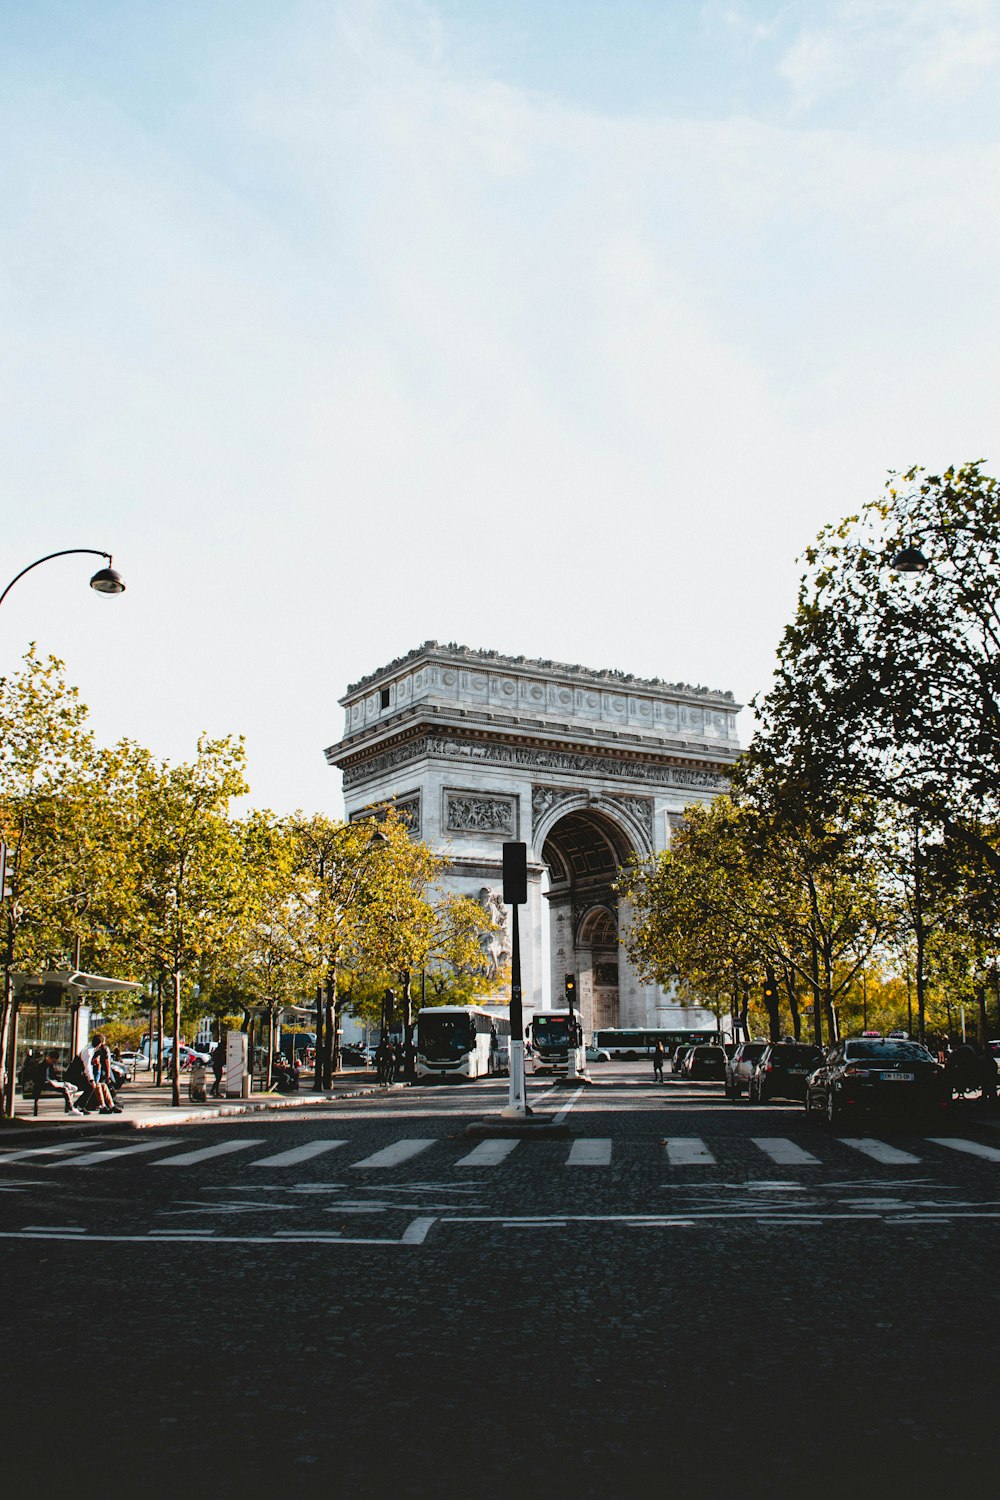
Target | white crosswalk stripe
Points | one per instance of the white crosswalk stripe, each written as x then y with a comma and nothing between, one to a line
96,1158
391,1156
889,1156
688,1151
65,1149
785,1153
221,1148
292,1157
988,1153
487,1154
595,1152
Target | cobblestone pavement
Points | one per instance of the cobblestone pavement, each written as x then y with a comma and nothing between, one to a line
685,1294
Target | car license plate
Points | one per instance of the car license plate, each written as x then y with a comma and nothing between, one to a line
897,1077
793,1071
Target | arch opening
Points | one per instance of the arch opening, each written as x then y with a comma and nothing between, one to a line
584,851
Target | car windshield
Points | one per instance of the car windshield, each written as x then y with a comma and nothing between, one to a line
791,1056
752,1051
887,1051
709,1054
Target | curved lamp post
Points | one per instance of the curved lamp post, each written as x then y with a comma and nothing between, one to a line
104,581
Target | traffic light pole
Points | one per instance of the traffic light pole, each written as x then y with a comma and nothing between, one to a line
515,894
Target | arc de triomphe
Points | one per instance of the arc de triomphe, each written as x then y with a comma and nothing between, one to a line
587,768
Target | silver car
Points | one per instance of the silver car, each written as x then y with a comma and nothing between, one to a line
739,1067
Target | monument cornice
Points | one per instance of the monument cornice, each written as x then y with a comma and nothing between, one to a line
495,662
545,754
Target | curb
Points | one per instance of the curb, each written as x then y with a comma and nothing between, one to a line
166,1116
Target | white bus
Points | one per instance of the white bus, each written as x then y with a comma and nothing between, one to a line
553,1034
463,1041
630,1045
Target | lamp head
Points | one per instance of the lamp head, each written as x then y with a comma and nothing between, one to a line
107,581
910,560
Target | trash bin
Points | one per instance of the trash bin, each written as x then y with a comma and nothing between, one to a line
196,1083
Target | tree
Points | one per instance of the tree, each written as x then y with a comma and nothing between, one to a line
181,881
753,881
891,692
46,763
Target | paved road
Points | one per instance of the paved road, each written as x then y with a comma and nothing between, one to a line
687,1294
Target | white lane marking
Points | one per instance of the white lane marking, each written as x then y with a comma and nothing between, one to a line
688,1151
416,1232
878,1150
53,1229
785,1153
595,1152
94,1158
487,1154
298,1153
11,1156
222,1148
392,1155
989,1153
557,1119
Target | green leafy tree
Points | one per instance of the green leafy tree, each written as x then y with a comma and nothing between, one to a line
181,884
46,764
890,691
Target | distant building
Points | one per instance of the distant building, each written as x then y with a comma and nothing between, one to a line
588,768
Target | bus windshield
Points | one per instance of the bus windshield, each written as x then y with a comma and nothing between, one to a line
443,1038
551,1031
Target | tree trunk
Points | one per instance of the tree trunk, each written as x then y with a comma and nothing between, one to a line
793,1005
175,1061
8,1043
331,1026
817,1003
270,1047
159,1031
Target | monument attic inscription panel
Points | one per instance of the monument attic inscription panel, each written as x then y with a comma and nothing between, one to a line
588,768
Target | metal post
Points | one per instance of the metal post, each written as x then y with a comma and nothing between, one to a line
517,1103
318,1068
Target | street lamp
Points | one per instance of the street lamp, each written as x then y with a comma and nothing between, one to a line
105,580
910,559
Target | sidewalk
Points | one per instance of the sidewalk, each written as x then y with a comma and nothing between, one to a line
145,1106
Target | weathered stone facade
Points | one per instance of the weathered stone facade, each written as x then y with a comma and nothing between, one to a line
587,768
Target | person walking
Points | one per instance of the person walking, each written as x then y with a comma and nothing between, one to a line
659,1058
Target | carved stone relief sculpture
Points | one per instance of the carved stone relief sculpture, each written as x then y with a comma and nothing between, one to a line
478,812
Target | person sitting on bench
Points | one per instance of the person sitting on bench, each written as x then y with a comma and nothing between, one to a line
48,1076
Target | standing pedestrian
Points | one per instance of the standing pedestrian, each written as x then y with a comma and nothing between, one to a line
218,1064
659,1057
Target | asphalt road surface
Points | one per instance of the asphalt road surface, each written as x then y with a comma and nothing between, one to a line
686,1296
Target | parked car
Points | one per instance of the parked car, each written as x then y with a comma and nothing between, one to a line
678,1055
706,1061
867,1074
598,1054
354,1057
740,1066
782,1070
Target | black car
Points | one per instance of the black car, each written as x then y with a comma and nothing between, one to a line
868,1074
706,1062
782,1071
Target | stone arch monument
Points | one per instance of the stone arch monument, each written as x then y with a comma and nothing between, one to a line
588,768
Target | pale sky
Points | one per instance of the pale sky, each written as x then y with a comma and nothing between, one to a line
557,327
